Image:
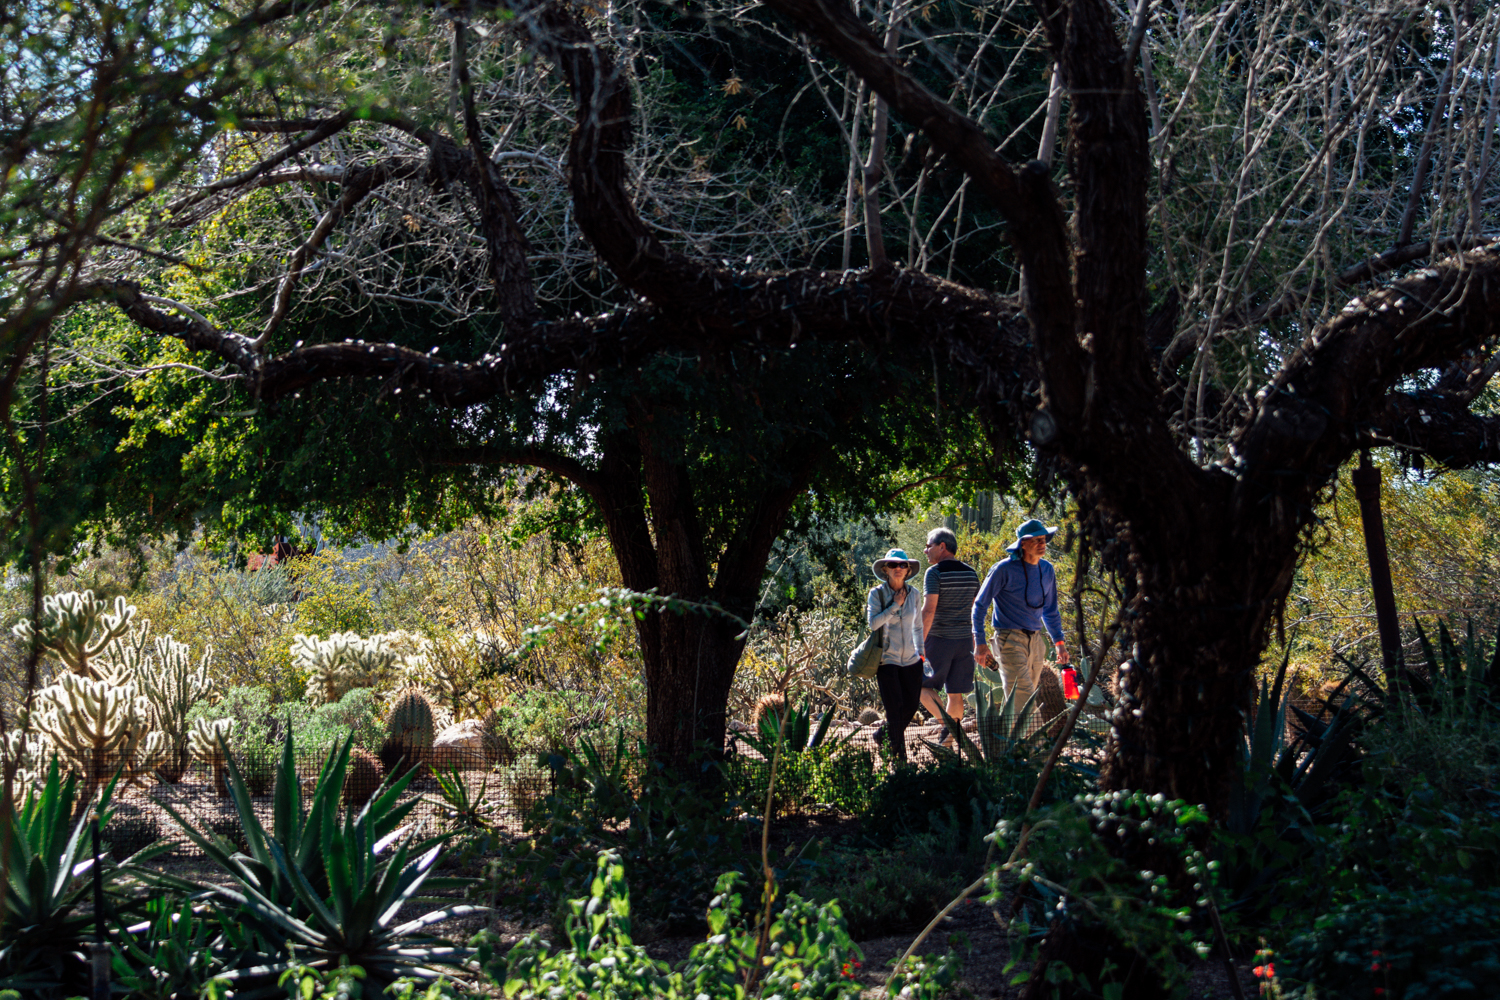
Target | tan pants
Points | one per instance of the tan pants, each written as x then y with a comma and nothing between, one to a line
1022,659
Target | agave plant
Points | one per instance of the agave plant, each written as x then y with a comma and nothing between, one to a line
321,888
1005,730
43,928
798,735
167,956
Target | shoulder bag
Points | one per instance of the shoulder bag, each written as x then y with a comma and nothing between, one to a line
865,659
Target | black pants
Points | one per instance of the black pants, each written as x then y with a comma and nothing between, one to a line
901,693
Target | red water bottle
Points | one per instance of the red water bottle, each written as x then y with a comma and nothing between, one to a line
1070,683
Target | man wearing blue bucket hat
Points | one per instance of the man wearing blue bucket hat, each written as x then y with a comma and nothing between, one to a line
1023,591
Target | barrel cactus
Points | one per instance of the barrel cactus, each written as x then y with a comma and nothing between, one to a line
362,779
410,729
77,627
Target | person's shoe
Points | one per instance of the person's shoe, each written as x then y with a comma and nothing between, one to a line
946,738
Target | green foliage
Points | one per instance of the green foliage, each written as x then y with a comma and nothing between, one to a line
926,978
837,774
43,918
797,736
807,951
169,956
1441,940
469,815
675,834
1074,875
356,715
915,798
328,889
1006,731
537,719
337,606
884,892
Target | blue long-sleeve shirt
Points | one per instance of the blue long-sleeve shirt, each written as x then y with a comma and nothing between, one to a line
1024,596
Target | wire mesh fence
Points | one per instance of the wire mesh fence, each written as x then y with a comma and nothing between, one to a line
837,777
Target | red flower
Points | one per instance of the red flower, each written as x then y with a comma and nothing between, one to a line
1264,971
1376,966
1375,953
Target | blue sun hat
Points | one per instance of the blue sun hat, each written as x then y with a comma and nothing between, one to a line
895,556
1031,529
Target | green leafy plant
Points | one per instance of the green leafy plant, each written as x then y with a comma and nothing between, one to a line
804,950
326,885
469,815
882,892
797,736
1442,940
674,835
916,798
1004,730
168,956
43,922
1073,875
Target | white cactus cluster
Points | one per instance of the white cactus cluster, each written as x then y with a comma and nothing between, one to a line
99,727
342,662
123,699
27,753
69,624
165,673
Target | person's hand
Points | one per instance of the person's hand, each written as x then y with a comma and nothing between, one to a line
1062,652
984,657
901,597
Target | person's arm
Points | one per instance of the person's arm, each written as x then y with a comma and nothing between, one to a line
918,629
930,581
1053,620
874,614
982,602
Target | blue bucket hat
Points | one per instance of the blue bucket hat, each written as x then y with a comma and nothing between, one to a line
895,556
1031,529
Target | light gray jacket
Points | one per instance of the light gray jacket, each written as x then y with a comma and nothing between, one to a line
902,622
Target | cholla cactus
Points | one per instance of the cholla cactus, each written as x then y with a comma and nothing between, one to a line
340,663
26,753
68,626
173,684
206,741
99,727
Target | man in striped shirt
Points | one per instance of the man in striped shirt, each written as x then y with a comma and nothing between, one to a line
949,587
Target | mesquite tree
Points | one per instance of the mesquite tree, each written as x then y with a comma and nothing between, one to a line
1239,164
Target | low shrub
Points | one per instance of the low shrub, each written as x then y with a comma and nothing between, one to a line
675,833
882,892
1442,941
918,798
812,956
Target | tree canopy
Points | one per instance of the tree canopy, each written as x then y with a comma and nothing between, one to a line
423,244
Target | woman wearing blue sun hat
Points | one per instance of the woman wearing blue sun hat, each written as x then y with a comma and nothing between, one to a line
896,606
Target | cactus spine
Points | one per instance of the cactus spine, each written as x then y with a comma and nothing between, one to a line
362,779
206,741
340,663
99,727
68,624
409,730
170,681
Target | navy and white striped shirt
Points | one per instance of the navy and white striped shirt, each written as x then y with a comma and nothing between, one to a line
955,583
